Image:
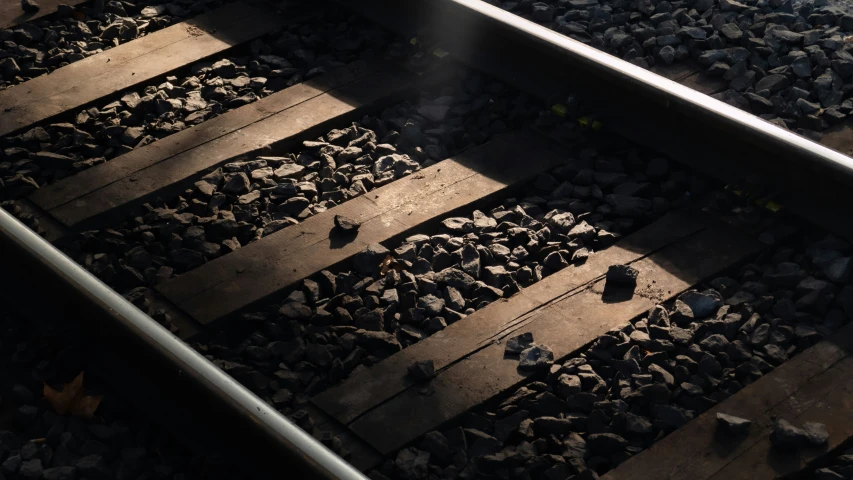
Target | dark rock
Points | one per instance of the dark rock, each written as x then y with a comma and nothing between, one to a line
455,278
733,425
438,447
29,6
788,437
702,304
412,464
346,225
622,275
816,433
536,357
422,371
515,345
506,426
368,260
773,83
668,416
606,444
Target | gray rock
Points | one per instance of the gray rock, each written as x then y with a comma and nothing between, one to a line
412,464
30,6
838,270
562,222
31,469
702,304
438,447
515,345
629,206
733,425
622,276
788,437
422,371
606,444
667,53
535,358
373,340
668,416
552,426
637,424
774,83
506,426
368,260
555,261
455,278
346,224
816,433
715,343
238,184
432,304
458,224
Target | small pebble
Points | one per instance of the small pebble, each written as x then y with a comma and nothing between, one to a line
535,358
733,425
786,436
519,343
346,224
622,275
421,371
29,6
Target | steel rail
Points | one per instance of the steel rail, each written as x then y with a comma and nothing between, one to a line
710,136
765,132
28,257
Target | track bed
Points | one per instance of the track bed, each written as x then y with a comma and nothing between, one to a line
404,242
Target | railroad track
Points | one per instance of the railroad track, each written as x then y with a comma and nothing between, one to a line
394,226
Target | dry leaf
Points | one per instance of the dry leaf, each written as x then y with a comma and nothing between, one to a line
71,399
389,264
86,406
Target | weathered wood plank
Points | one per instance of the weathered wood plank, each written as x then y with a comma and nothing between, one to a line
232,282
566,326
280,130
698,452
372,387
88,181
826,399
677,71
702,82
363,456
131,64
839,137
53,230
11,13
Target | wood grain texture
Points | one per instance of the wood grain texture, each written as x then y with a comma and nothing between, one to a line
131,64
234,281
84,183
376,385
282,130
11,13
565,326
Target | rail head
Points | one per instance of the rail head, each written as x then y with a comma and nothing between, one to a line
645,82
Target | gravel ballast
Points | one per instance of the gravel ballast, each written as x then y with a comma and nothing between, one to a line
638,383
245,201
36,48
188,97
838,468
41,345
386,299
788,64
